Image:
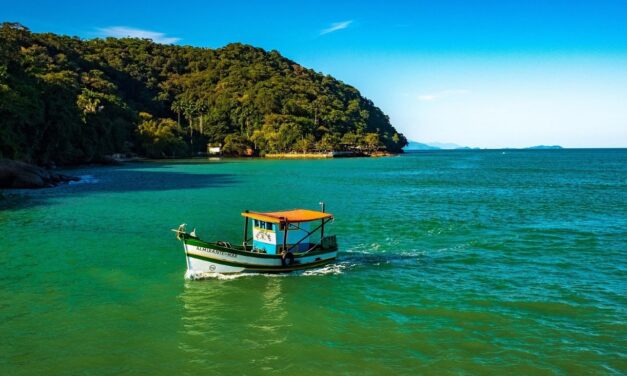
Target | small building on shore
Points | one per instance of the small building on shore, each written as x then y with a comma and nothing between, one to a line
214,149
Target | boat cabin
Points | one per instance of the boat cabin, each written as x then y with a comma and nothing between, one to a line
285,231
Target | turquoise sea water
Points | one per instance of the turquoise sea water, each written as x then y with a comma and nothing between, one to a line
469,262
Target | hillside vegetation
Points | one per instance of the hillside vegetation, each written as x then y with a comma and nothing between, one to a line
67,100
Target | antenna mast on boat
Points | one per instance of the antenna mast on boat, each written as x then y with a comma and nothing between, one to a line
322,226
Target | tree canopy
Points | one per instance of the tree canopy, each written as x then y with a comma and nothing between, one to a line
68,100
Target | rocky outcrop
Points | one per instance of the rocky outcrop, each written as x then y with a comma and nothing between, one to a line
16,174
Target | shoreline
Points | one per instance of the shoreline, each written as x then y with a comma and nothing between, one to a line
328,155
22,175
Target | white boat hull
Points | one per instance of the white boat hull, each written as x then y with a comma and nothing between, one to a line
202,260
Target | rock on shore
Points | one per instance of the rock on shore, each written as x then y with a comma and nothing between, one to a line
16,174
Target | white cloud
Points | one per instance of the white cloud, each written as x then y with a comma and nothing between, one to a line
443,94
124,32
336,26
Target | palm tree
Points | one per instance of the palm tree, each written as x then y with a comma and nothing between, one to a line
177,107
201,108
189,111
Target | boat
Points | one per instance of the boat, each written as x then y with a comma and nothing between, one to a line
278,242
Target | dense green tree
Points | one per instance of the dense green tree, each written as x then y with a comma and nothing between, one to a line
371,142
350,140
329,142
305,144
161,138
69,100
235,144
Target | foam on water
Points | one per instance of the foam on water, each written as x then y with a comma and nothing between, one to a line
85,179
332,268
195,276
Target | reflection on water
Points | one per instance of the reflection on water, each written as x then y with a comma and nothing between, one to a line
253,307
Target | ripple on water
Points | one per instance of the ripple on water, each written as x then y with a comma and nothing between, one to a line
449,263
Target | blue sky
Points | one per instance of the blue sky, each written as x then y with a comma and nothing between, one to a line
476,73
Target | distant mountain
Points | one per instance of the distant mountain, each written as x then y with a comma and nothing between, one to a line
446,145
545,147
413,145
466,148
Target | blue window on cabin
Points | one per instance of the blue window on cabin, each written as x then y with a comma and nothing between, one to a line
262,224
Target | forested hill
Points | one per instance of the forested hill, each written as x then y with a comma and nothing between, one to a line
67,100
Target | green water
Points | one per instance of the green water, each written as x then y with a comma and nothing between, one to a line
474,262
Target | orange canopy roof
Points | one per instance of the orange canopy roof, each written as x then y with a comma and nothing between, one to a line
296,215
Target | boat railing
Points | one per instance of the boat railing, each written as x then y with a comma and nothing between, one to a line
313,246
329,241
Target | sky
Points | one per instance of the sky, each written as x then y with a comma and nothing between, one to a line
476,73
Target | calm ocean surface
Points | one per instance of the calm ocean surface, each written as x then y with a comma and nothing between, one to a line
458,262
